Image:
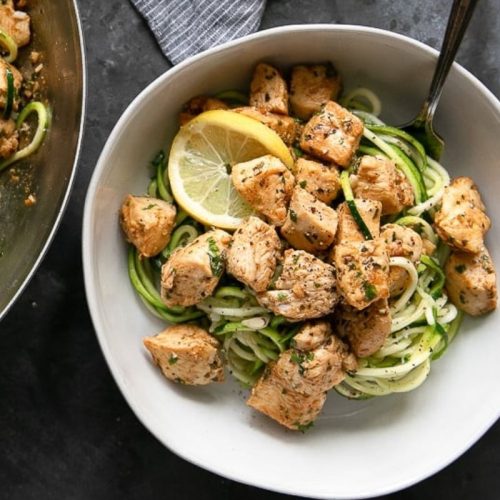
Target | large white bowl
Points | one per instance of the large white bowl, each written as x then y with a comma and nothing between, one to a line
356,449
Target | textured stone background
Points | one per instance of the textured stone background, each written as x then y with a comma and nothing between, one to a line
65,430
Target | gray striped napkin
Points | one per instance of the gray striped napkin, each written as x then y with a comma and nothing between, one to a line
185,27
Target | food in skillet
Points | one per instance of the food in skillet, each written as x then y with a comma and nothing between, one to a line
20,87
306,245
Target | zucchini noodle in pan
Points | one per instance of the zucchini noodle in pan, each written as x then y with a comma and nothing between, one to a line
351,267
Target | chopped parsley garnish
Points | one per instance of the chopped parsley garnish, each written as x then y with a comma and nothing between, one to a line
460,268
304,427
216,262
300,357
298,152
370,290
172,359
150,206
303,184
293,215
282,296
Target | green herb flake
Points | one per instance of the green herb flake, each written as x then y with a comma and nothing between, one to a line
216,262
460,268
172,359
293,215
150,206
370,290
303,184
298,152
304,427
282,296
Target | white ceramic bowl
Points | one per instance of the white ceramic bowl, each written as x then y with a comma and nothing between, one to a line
356,449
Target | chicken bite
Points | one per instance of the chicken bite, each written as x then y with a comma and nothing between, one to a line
332,135
147,223
322,181
311,87
471,281
253,254
198,105
461,222
16,24
400,241
187,354
304,290
9,138
311,335
365,330
362,272
285,126
348,229
377,178
192,272
268,90
292,390
18,80
310,224
266,184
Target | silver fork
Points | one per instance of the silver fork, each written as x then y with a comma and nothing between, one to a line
421,126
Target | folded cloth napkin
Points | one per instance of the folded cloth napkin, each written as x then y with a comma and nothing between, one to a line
185,27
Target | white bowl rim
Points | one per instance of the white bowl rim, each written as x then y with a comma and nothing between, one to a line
90,284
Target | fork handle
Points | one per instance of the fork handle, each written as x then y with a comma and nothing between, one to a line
460,15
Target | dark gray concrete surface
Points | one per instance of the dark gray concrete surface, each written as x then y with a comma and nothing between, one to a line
65,430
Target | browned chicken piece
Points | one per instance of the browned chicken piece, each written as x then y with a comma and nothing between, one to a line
304,290
198,105
268,91
285,126
362,272
471,281
193,272
348,229
18,80
311,335
365,330
253,254
377,178
292,390
400,242
310,224
332,135
147,223
322,181
428,248
16,24
187,354
266,184
461,222
9,138
311,87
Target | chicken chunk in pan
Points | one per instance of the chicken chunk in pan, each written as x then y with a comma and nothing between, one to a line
322,181
253,254
268,90
292,390
310,224
332,135
471,281
362,272
305,289
311,335
198,105
377,178
461,222
147,223
192,272
266,184
285,126
187,354
16,24
18,80
400,241
365,330
9,138
311,87
348,229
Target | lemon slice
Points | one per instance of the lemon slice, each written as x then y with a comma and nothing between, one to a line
202,155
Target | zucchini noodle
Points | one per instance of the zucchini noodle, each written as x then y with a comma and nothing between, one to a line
9,44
